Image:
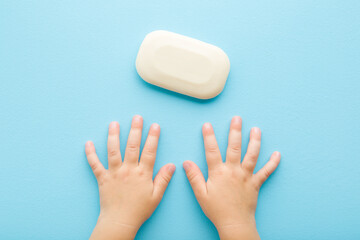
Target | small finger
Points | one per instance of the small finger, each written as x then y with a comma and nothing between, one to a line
253,150
114,156
212,152
132,150
148,156
94,162
233,154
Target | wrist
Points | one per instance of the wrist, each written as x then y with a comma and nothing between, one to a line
113,229
238,231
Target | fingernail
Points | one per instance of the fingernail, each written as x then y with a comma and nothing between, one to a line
186,166
137,118
137,122
155,126
276,154
236,119
207,125
113,125
88,144
171,169
154,129
256,130
207,128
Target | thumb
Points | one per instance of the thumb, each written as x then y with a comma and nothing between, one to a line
195,178
162,179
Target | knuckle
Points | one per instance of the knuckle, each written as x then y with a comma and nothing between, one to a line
166,178
192,176
123,175
141,172
238,176
102,180
252,155
132,148
211,148
235,148
94,166
219,171
266,172
149,152
113,153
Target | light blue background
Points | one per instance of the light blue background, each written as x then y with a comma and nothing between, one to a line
67,69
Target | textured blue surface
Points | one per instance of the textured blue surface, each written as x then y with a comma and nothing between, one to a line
67,68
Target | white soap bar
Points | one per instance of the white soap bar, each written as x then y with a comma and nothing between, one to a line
182,64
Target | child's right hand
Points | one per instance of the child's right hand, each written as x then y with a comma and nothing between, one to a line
229,196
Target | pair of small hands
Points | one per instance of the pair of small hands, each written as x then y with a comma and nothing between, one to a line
129,195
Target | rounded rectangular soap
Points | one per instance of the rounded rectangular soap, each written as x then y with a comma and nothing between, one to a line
182,64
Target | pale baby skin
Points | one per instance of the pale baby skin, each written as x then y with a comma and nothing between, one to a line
129,195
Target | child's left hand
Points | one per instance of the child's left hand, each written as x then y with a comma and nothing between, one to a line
128,195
